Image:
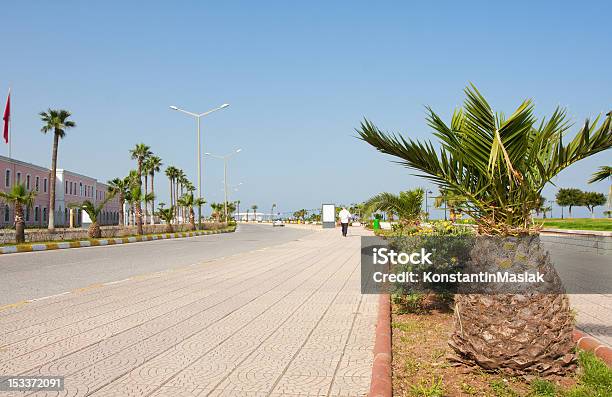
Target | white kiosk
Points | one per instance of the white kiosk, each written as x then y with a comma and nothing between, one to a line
328,216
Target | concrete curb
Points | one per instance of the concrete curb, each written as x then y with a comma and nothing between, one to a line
12,249
588,343
381,384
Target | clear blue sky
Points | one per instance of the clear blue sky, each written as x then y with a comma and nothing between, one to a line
299,78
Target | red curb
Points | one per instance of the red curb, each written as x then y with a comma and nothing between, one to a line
588,343
381,384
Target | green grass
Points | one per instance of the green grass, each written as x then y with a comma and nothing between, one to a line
434,388
594,380
602,224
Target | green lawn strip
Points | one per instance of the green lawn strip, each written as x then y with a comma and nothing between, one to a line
598,224
75,243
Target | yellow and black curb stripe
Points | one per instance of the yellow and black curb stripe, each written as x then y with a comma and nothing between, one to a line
12,249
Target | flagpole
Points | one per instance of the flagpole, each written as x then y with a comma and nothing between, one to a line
10,128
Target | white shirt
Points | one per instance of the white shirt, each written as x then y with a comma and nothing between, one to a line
344,216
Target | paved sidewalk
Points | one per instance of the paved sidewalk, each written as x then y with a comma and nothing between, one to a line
282,321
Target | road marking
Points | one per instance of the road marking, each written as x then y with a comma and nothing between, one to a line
118,281
49,297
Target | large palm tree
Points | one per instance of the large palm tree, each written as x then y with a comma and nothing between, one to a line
93,211
254,208
119,187
501,166
154,164
140,153
406,205
19,196
56,121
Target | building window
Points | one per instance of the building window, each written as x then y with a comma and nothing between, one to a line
45,213
37,184
36,211
80,189
65,216
27,214
19,177
66,187
7,215
7,178
28,182
45,185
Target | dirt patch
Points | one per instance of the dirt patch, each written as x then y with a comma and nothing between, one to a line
420,352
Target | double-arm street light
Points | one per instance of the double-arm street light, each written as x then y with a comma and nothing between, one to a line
225,159
198,116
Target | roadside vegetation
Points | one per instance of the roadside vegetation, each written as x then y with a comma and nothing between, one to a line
498,165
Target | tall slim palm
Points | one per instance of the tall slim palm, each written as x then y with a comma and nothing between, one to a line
145,174
254,208
140,153
119,187
171,174
56,121
154,164
19,196
500,165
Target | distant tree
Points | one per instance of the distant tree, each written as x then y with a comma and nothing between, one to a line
592,200
140,153
187,201
166,215
570,197
540,206
93,211
453,201
119,187
254,208
19,196
406,205
57,122
153,165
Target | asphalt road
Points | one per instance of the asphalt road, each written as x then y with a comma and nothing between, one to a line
35,275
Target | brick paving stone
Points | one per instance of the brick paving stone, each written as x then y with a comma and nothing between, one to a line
287,320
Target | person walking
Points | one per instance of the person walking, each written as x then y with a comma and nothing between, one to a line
344,216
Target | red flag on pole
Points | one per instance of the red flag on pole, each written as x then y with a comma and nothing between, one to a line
7,116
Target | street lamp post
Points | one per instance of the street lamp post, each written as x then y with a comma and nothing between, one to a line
225,159
198,116
427,203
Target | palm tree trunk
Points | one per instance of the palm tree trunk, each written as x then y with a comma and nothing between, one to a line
171,193
138,207
19,224
526,330
51,225
152,201
146,210
192,218
121,214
